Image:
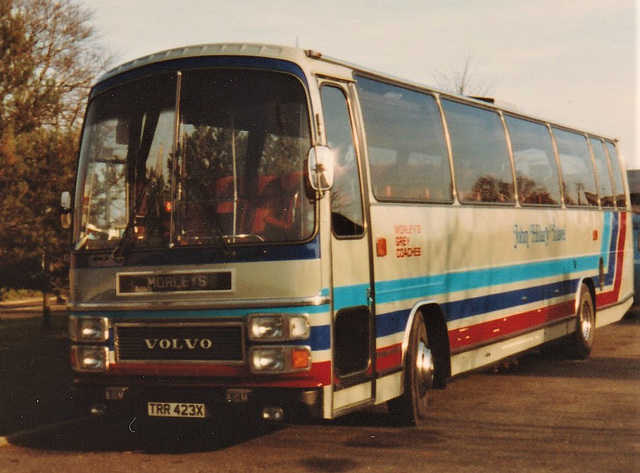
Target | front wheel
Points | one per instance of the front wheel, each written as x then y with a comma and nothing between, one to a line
411,408
582,338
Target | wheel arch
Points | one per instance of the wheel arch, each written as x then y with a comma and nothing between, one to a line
592,292
437,335
581,339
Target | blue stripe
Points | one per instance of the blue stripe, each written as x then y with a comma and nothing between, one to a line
349,296
507,300
391,322
209,255
394,322
606,236
611,255
429,286
320,338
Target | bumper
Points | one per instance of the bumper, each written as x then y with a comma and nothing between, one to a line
122,399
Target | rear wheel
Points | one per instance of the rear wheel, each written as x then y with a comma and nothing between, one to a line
411,407
582,338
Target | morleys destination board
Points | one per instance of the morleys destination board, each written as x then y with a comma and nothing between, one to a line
147,283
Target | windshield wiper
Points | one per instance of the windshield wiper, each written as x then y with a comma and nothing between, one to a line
127,240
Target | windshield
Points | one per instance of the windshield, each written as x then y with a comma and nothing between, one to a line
201,157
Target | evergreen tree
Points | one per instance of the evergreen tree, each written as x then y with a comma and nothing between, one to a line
48,59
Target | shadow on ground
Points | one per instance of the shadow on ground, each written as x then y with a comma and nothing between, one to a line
99,435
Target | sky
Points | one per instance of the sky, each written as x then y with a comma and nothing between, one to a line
574,62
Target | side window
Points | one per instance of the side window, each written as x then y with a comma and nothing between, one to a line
535,162
346,200
480,154
578,177
406,145
604,176
633,181
616,170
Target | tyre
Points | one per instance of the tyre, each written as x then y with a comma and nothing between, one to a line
411,407
582,338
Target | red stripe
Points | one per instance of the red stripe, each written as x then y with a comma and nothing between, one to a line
610,297
389,357
487,331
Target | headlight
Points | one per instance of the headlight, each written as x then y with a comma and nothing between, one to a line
89,329
270,359
278,327
267,359
266,326
89,358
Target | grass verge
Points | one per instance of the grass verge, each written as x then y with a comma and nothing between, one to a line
35,373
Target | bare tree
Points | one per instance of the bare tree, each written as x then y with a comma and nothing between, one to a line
460,80
65,56
48,59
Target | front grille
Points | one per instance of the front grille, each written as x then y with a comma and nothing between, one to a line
183,342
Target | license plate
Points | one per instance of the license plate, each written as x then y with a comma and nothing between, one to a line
176,409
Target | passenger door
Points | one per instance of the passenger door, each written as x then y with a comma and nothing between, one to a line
353,335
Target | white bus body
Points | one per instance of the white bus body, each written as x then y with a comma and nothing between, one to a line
407,251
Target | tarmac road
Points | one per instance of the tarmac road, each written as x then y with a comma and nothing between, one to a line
544,414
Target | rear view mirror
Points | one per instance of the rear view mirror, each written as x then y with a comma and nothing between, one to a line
320,161
65,210
65,202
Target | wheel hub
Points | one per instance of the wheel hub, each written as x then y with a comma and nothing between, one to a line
424,368
586,321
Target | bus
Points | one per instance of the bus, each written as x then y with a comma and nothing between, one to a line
266,230
633,178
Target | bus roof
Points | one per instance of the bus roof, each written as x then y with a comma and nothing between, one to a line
304,57
222,49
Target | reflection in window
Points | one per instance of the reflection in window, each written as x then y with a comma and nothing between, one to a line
616,170
480,154
126,144
407,151
234,173
244,135
604,176
535,162
577,171
347,218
